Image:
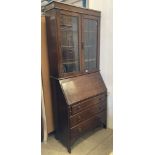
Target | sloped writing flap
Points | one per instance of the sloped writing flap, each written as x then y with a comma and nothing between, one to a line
82,87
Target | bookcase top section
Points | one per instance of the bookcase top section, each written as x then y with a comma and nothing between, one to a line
67,7
82,87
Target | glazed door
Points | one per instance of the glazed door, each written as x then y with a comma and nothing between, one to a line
69,25
90,43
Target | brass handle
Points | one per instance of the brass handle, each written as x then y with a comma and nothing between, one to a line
100,99
79,107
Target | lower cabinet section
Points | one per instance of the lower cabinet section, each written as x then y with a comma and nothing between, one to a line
86,114
78,108
85,126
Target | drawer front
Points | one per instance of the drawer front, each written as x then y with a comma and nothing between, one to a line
85,104
88,125
86,114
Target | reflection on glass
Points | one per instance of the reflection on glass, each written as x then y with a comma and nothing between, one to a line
90,44
69,43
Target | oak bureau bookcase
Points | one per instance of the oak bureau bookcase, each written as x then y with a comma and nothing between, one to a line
78,90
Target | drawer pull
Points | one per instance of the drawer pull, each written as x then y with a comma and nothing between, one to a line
79,107
100,99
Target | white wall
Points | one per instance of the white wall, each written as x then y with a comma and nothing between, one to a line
74,2
106,49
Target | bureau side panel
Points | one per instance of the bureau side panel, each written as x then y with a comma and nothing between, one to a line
60,113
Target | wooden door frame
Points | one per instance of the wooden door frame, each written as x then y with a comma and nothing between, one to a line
96,18
68,13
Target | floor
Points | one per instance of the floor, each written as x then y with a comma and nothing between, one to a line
97,142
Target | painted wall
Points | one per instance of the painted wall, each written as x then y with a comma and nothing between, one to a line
74,2
106,49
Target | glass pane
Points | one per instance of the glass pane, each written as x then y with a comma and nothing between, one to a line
69,43
90,44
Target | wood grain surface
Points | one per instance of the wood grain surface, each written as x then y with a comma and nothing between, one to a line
45,78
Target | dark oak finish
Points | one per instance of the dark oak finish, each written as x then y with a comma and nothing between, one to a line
75,108
52,41
76,102
86,114
87,125
82,87
67,7
78,90
95,19
64,25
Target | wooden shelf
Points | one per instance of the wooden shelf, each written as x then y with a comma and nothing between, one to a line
87,60
90,31
89,45
68,46
68,29
66,25
70,62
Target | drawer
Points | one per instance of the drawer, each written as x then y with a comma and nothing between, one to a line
88,113
85,104
88,125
